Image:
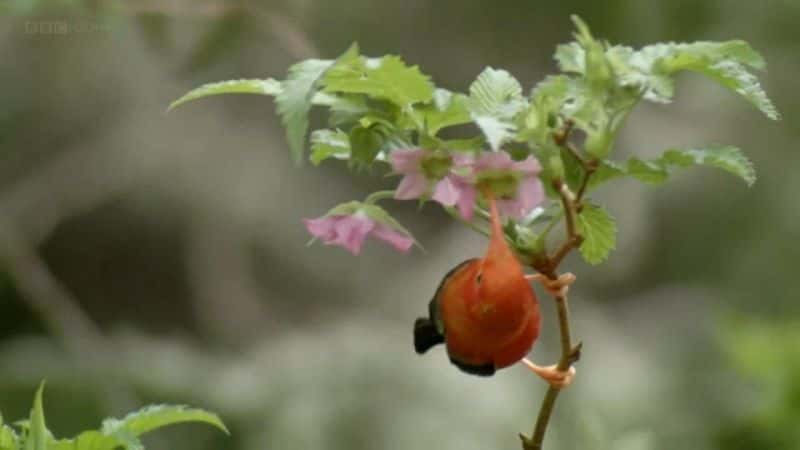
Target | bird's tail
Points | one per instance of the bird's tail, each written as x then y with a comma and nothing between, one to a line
425,335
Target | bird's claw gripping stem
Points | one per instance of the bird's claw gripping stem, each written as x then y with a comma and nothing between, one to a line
557,287
557,378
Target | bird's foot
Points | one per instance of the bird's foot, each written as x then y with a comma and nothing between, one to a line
557,287
556,378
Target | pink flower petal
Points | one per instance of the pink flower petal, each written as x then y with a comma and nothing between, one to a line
510,208
530,194
396,239
446,191
494,160
406,161
351,232
321,227
413,185
528,166
463,159
466,201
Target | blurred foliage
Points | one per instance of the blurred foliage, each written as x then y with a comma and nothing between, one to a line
190,236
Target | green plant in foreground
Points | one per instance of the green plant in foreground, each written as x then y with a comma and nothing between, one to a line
113,434
536,157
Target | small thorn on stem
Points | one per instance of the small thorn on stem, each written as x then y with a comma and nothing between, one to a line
558,287
558,379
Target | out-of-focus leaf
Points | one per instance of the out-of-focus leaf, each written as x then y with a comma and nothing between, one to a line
382,78
8,438
263,87
329,144
37,436
656,171
295,100
157,416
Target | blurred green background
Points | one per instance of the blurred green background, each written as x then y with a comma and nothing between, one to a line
161,258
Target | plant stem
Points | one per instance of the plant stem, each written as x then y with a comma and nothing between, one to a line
569,353
377,196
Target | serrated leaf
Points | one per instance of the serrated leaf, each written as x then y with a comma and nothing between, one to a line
447,110
37,436
727,158
157,416
571,58
599,233
295,99
735,77
495,93
653,68
329,144
383,78
651,172
495,97
8,438
496,131
92,440
263,87
657,171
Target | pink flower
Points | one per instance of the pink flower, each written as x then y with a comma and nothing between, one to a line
350,231
422,170
515,183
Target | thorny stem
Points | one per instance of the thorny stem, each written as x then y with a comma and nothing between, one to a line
570,353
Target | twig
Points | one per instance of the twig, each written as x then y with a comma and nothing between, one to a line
549,267
574,239
569,355
589,168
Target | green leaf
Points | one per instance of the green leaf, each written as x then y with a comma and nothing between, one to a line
156,416
495,93
496,131
735,77
264,87
383,78
93,440
495,98
365,146
8,438
657,171
571,58
447,110
653,68
37,435
295,100
727,158
329,144
599,233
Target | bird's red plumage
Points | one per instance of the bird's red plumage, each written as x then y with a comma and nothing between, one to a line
489,310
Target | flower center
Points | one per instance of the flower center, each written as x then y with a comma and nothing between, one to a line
436,165
502,183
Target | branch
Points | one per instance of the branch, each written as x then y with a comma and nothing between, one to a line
549,267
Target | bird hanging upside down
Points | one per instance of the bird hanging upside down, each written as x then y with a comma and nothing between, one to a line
486,312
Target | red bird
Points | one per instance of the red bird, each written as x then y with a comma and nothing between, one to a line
486,313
